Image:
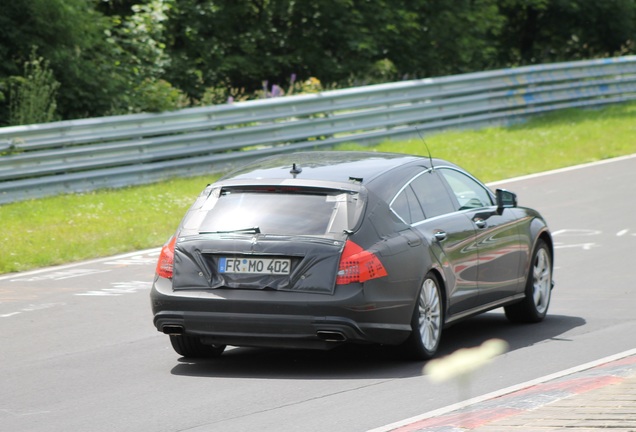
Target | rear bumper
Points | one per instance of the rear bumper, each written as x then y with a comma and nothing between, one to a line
280,319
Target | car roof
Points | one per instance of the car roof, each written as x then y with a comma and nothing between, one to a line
330,166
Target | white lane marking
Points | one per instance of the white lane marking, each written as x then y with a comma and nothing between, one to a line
505,391
562,170
576,232
584,246
119,288
102,293
149,252
59,275
565,233
136,260
31,308
21,413
116,289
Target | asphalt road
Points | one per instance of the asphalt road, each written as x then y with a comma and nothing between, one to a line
79,352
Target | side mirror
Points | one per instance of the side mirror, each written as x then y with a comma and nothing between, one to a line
505,199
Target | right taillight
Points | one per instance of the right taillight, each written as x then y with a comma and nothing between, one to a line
358,265
165,263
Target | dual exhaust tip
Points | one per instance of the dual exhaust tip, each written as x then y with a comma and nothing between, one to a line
173,330
325,335
331,336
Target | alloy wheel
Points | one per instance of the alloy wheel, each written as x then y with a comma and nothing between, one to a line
541,280
430,317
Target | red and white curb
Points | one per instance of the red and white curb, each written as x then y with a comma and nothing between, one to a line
521,398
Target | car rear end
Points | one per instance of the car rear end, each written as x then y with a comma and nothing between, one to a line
277,264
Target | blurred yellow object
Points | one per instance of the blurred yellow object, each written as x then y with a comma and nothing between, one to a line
464,361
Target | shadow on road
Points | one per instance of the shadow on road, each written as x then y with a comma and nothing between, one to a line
364,362
479,329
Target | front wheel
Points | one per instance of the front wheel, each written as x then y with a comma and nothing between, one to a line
427,321
534,307
191,346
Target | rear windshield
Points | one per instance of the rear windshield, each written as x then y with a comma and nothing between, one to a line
282,211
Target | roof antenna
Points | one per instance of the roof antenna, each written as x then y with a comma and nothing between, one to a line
295,170
427,149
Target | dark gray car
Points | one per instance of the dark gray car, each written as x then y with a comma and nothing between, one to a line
316,249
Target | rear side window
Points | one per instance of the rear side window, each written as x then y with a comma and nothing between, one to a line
425,196
407,206
280,211
432,194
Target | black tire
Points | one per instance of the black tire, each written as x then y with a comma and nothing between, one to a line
191,346
534,307
427,321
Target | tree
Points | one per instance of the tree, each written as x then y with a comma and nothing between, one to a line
451,37
109,62
340,41
541,31
32,96
70,35
121,56
138,39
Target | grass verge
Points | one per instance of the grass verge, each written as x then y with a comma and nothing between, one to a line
69,228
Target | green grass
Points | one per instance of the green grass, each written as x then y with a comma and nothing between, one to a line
561,139
69,228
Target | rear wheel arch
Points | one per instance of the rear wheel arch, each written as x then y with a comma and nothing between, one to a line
432,265
439,275
442,288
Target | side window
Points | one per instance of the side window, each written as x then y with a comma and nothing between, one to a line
470,193
432,194
407,206
425,196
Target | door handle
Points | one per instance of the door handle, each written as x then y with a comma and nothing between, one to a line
480,223
440,235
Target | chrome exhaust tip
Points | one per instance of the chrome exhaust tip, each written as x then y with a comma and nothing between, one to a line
174,330
331,336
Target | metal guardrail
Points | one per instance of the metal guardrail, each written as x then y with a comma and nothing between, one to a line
107,152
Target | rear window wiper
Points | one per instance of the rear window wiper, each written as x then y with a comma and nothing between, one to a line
250,230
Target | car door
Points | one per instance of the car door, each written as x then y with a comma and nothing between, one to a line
426,205
497,237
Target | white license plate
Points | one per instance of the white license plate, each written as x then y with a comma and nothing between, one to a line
278,266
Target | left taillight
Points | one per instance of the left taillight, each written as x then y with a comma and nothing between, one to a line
358,265
165,263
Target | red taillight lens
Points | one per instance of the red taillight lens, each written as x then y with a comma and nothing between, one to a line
166,259
358,265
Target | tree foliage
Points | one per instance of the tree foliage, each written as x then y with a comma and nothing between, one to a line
32,96
69,34
121,56
541,31
339,41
